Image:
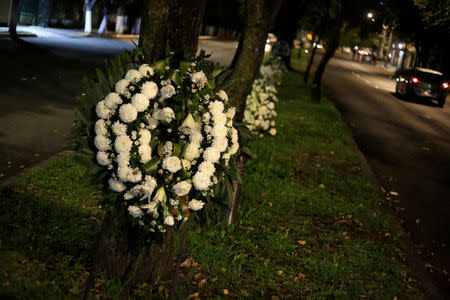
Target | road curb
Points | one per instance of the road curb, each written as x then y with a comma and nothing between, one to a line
414,260
14,178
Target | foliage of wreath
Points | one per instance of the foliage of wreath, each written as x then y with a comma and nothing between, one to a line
164,136
260,109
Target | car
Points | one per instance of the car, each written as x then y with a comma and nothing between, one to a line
421,82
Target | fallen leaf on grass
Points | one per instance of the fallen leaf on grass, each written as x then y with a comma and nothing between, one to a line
201,282
187,263
322,186
226,292
301,242
393,193
280,273
270,204
194,296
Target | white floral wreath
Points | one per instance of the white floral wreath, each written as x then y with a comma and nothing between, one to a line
165,137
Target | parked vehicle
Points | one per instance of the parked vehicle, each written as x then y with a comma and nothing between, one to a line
421,82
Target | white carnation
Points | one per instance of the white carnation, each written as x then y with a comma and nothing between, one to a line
272,131
220,119
199,78
220,144
271,105
133,75
172,164
167,91
127,113
112,100
102,143
219,131
140,102
124,172
100,127
211,154
116,185
207,168
146,70
123,143
201,181
192,151
182,188
119,128
135,211
222,95
195,204
102,111
166,114
103,158
168,220
186,164
121,86
145,153
123,159
145,136
215,107
149,89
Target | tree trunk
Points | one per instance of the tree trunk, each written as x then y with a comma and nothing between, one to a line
333,43
14,12
311,60
104,24
171,26
245,71
88,16
123,250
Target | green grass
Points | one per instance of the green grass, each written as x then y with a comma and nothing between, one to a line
310,225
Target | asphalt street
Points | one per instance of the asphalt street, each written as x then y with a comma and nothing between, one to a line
407,144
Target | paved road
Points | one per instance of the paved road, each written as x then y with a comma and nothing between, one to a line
407,144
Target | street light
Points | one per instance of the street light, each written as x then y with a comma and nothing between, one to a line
370,15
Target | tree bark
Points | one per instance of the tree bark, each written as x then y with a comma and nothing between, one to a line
260,16
311,59
172,25
14,12
88,15
333,43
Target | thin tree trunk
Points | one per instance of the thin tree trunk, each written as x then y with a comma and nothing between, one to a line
245,71
14,12
88,16
238,51
329,52
104,24
311,59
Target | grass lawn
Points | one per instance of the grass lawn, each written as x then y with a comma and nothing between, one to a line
310,225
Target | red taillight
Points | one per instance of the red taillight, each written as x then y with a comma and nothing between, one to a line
415,79
445,85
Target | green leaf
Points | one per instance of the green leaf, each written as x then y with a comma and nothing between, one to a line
176,77
159,66
152,166
176,149
184,66
183,174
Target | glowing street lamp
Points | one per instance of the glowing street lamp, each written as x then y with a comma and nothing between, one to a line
370,15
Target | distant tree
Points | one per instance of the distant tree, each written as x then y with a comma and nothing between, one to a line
88,4
285,28
435,13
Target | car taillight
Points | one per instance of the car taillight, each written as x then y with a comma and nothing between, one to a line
445,85
415,79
